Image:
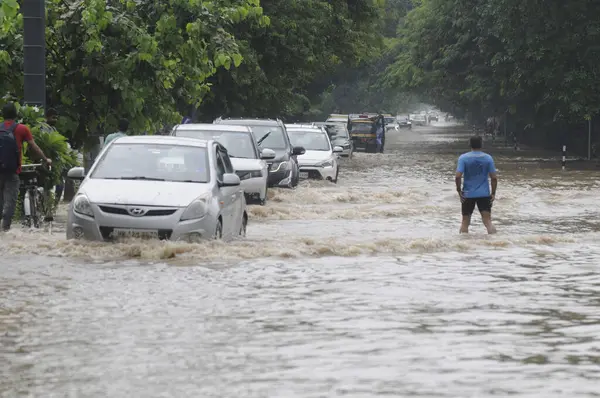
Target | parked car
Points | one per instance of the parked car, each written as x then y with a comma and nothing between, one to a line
320,160
158,187
339,136
248,160
283,170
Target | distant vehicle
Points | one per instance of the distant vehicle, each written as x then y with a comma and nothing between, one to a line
404,123
363,134
418,120
390,122
320,160
284,170
433,117
339,136
248,160
158,187
339,118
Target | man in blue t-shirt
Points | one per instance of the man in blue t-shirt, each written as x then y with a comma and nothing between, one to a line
476,167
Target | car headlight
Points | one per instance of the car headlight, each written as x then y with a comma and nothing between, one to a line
81,205
327,163
346,146
244,175
277,166
197,209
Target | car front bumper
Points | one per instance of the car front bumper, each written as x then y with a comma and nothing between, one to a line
110,221
255,188
312,172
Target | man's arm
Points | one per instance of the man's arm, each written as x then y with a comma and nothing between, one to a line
460,169
493,173
38,150
458,181
494,178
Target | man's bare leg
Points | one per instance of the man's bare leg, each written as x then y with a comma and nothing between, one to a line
464,226
486,217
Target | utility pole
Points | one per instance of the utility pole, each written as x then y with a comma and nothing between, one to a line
590,139
34,52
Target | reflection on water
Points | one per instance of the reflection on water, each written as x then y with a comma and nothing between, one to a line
363,288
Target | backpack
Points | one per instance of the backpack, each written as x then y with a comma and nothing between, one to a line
9,150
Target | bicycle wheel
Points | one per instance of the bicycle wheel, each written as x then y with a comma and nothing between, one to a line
34,205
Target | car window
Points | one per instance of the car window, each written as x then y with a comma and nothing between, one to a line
275,138
226,162
362,127
153,162
309,140
238,144
220,166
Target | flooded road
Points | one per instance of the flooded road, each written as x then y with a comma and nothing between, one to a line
359,289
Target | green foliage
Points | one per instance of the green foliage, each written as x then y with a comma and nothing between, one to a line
292,61
536,60
52,143
143,60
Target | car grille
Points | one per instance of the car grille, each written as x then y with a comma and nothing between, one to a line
312,174
163,234
149,213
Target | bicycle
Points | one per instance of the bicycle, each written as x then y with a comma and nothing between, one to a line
35,208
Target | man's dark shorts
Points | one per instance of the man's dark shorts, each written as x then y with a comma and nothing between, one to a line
483,204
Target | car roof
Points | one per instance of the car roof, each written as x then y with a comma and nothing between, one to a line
249,122
307,130
163,140
212,127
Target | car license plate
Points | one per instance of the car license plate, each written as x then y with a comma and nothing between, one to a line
121,233
303,174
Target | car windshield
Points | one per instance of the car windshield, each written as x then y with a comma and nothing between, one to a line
238,144
389,120
158,162
336,131
310,140
362,127
274,139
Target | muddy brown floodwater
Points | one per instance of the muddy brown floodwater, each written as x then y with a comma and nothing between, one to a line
358,289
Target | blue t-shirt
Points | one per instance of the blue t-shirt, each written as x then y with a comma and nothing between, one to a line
476,167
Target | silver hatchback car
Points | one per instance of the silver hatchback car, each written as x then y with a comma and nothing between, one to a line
158,187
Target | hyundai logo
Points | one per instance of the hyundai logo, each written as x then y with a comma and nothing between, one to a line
137,212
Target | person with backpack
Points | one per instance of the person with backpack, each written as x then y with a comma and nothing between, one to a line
12,136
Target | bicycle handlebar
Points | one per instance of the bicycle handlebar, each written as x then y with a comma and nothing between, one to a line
36,166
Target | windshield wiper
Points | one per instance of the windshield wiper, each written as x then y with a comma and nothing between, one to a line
142,178
263,138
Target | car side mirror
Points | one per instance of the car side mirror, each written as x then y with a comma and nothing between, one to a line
230,180
298,150
338,149
267,154
76,173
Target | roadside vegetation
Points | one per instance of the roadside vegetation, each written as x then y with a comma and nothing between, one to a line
533,64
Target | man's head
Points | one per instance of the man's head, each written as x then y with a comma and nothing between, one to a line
123,125
476,143
51,116
9,111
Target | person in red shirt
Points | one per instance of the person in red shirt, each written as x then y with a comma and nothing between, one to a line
9,178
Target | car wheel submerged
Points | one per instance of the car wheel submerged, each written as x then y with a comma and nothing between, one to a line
218,230
263,201
244,226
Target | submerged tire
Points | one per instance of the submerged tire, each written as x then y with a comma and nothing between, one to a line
218,230
244,226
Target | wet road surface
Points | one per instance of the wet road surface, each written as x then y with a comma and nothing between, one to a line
359,289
